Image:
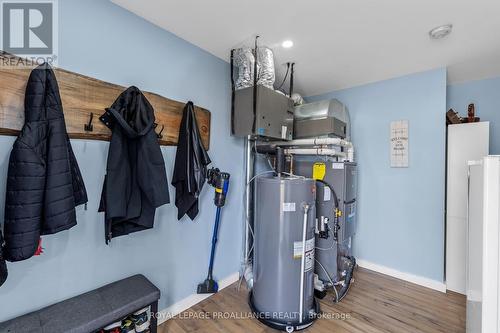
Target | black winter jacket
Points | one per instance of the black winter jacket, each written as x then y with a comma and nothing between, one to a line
191,162
44,183
136,181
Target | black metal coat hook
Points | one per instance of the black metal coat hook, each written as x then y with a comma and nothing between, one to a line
89,127
160,135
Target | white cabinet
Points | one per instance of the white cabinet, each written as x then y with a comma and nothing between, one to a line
483,235
466,142
475,247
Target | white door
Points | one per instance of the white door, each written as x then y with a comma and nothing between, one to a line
466,142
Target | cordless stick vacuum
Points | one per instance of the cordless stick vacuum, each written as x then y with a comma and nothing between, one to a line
219,180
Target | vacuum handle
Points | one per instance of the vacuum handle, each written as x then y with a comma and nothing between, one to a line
214,242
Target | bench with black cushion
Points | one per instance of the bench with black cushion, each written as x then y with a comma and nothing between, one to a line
91,311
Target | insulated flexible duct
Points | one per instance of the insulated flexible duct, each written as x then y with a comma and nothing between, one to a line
244,61
265,65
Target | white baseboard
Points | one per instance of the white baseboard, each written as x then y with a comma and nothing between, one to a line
193,299
421,281
474,296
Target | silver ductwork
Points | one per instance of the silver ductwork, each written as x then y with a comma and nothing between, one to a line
244,61
265,67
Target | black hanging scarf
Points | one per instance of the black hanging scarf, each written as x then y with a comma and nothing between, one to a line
190,168
3,265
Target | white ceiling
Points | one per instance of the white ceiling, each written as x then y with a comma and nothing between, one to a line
342,43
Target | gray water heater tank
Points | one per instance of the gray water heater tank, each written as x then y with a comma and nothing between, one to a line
279,219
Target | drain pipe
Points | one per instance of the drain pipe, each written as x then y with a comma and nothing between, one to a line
303,263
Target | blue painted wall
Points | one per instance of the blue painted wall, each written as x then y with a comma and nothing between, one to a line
401,211
485,94
102,40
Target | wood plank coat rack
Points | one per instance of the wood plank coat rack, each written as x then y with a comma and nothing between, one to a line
81,96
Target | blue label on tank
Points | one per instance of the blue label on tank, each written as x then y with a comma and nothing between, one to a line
261,131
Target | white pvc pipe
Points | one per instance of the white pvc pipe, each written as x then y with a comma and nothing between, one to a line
303,263
310,150
350,154
314,142
314,151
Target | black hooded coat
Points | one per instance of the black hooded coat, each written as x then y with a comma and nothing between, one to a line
44,183
190,170
136,181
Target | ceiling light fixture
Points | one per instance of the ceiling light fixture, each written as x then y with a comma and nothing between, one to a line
441,31
287,44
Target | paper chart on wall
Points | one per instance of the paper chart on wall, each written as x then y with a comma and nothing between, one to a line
399,144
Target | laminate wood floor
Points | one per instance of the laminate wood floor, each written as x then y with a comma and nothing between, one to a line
375,303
